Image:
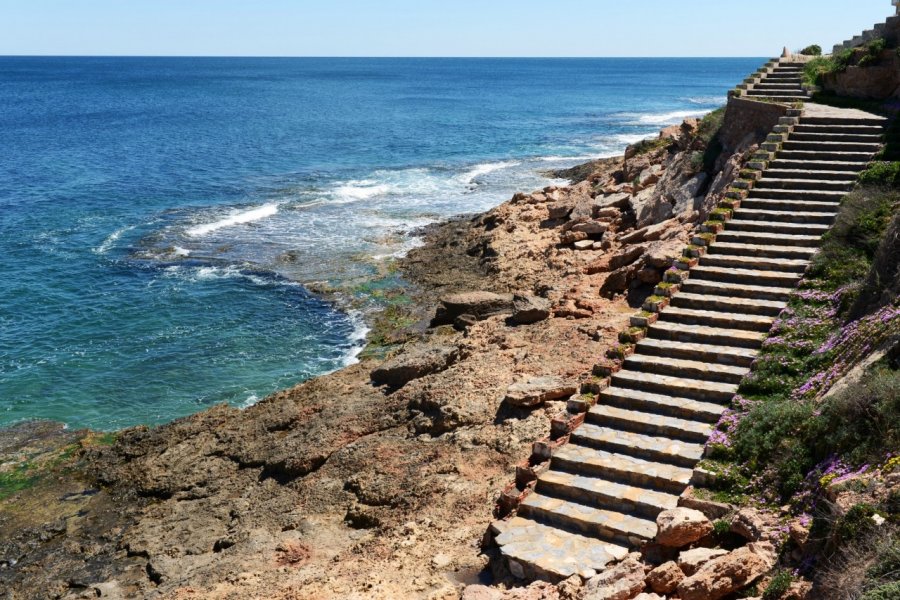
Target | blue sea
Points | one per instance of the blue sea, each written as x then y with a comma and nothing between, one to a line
162,220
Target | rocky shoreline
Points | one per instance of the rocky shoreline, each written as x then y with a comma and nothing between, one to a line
379,480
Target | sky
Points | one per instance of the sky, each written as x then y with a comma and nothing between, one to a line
429,27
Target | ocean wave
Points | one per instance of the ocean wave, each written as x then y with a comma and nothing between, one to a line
110,241
706,100
235,218
361,189
483,169
666,118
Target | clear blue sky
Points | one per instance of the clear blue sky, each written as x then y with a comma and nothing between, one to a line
430,27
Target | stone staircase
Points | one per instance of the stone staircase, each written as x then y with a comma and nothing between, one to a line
869,35
634,455
779,80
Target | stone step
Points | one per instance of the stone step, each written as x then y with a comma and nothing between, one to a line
701,334
762,250
806,242
839,129
773,217
778,97
746,276
739,224
537,551
777,93
648,447
679,367
818,146
609,525
763,190
778,84
701,286
780,216
853,168
823,155
821,176
790,265
790,205
707,391
818,136
663,404
649,424
735,304
782,68
583,460
712,318
871,120
724,355
784,75
770,181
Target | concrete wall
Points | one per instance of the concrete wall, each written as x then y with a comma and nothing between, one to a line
748,122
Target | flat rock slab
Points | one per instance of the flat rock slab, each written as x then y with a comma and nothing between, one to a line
537,390
402,369
479,304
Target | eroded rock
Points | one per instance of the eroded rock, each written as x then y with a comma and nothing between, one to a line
665,578
680,527
727,574
529,309
402,369
537,390
622,582
480,305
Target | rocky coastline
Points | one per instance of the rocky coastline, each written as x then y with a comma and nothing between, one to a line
379,480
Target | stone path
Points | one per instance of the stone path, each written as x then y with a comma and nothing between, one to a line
635,453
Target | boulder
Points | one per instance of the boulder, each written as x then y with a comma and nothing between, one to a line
622,582
612,213
659,255
618,280
727,574
591,227
618,200
649,275
626,256
683,197
749,524
480,305
403,368
584,245
665,578
560,210
570,237
650,207
537,390
650,176
529,309
681,527
690,561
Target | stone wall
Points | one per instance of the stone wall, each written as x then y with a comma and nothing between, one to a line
748,122
877,82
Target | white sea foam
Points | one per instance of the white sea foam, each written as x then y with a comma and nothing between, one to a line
235,218
357,338
707,100
362,189
483,169
110,241
667,118
179,251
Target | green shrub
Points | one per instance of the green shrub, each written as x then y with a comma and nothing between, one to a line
778,586
816,68
881,173
856,523
710,125
813,50
888,591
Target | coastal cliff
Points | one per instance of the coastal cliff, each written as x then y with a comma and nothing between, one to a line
380,480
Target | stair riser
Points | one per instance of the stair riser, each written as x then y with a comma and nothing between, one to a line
733,235
644,453
714,321
719,358
770,181
656,388
804,206
773,228
610,397
853,157
772,252
839,129
618,475
775,93
647,427
598,500
841,147
770,193
840,121
788,217
803,136
696,338
852,169
696,286
572,524
788,280
724,306
726,261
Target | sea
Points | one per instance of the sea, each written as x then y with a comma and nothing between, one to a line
167,224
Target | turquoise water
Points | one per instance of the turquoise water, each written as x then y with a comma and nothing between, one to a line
161,218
